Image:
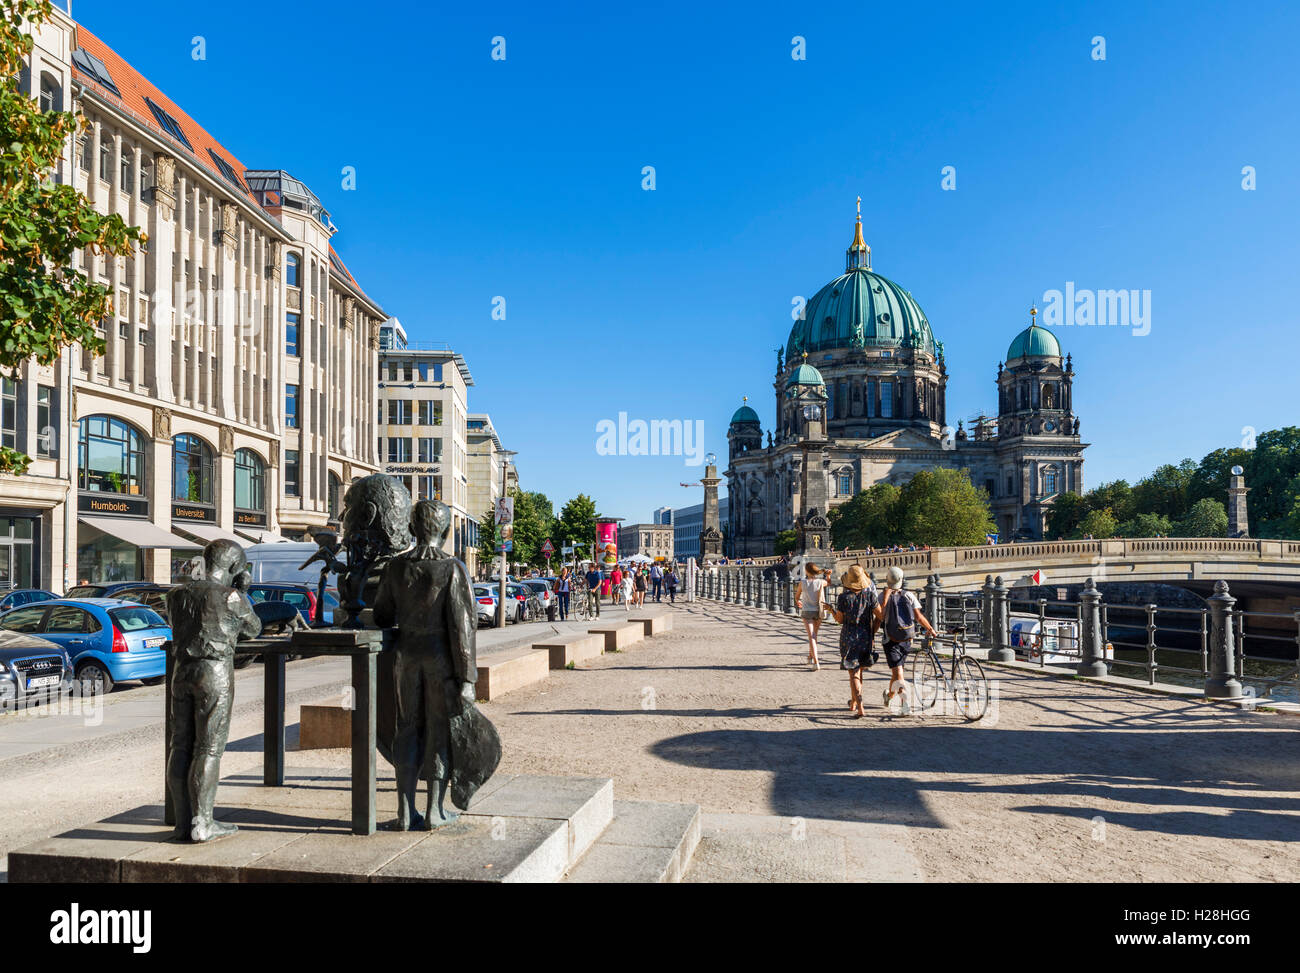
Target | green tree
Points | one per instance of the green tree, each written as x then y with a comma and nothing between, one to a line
1167,491
577,525
45,304
1214,471
487,536
943,508
1066,512
1206,518
1098,524
1271,472
1117,495
785,541
532,522
867,519
1146,525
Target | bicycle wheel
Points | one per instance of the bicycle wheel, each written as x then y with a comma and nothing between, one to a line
927,679
970,689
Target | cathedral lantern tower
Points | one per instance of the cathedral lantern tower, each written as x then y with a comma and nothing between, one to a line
745,434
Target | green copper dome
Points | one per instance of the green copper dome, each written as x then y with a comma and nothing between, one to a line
744,414
860,309
805,374
1034,342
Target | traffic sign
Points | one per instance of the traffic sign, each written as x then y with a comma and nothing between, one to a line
547,547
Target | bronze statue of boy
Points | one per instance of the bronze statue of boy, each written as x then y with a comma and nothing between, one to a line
208,616
441,736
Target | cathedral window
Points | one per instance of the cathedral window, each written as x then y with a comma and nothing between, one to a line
886,400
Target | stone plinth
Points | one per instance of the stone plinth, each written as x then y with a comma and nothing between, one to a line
575,649
619,635
499,676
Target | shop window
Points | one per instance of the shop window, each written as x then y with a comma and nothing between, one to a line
250,481
191,470
9,413
110,456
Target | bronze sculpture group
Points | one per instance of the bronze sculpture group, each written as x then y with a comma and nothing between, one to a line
421,595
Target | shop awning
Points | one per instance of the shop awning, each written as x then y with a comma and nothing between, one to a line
259,536
141,533
209,533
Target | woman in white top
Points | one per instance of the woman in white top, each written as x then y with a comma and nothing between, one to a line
627,589
812,601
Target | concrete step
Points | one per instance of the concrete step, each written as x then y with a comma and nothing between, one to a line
576,649
653,624
510,671
619,635
648,841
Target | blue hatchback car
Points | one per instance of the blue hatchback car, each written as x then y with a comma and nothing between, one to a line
110,641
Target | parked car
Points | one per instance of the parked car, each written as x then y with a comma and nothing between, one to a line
301,596
25,596
104,589
485,600
109,641
31,668
283,563
521,593
146,593
545,594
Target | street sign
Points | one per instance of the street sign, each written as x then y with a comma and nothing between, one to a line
566,550
547,547
505,547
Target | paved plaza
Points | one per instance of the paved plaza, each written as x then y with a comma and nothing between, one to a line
1065,780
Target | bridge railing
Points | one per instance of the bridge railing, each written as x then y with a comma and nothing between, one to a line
1227,651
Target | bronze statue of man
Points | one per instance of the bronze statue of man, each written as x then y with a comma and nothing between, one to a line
208,616
425,594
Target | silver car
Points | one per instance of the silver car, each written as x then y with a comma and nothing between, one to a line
32,669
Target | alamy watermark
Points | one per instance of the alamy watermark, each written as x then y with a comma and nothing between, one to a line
653,437
1084,308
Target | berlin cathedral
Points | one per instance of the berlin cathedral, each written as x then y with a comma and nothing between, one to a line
860,399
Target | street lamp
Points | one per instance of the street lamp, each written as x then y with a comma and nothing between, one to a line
501,594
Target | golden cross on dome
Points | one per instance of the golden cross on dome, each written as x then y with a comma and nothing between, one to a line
1033,314
859,209
805,356
744,398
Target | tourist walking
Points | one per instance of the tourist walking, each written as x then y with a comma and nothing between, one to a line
594,582
670,582
626,590
898,613
616,585
640,586
811,595
657,581
563,587
855,610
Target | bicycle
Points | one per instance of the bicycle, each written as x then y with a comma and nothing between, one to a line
579,603
966,685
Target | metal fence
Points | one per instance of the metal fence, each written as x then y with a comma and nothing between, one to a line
1228,652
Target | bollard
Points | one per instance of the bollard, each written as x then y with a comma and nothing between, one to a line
986,613
1093,648
749,587
1001,650
932,600
1222,682
787,602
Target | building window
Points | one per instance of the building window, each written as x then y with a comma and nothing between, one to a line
191,470
430,412
846,483
47,426
105,158
291,334
399,450
1049,483
110,456
399,412
292,474
250,480
128,169
291,270
335,497
291,406
430,450
51,96
886,400
9,413
168,123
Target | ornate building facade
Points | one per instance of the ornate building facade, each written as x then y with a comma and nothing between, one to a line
860,396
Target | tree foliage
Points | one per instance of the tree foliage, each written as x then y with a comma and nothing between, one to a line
45,303
938,507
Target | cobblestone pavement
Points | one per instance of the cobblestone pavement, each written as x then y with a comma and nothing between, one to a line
1065,780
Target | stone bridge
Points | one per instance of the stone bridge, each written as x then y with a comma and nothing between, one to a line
1255,568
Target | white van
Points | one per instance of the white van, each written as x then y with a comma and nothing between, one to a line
283,562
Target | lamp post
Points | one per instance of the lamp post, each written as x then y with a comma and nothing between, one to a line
501,593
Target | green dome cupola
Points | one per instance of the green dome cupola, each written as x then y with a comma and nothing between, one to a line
805,374
744,414
1034,342
860,309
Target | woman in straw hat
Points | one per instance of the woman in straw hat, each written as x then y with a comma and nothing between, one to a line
898,640
855,611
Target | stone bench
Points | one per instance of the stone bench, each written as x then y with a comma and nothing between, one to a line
654,624
619,635
575,649
324,726
506,674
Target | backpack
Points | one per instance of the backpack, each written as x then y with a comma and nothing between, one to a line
900,619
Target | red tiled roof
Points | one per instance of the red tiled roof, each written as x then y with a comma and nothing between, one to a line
346,273
135,88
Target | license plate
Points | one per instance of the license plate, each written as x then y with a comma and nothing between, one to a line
39,682
153,643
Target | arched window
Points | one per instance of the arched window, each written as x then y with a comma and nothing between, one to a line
250,481
1050,481
191,470
291,270
51,94
1049,396
110,456
335,494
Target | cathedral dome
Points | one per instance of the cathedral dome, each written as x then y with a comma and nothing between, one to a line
805,374
860,309
1034,342
744,414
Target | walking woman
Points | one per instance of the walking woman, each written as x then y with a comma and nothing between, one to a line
616,584
811,594
898,613
563,587
627,590
640,586
855,611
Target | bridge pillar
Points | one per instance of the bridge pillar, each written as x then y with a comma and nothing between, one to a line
986,614
1222,681
1093,662
933,606
1000,650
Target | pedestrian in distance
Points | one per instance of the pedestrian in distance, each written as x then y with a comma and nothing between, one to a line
855,610
810,593
898,613
563,588
616,585
594,581
670,582
627,591
641,576
657,581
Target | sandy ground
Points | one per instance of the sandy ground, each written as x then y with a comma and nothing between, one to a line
1064,781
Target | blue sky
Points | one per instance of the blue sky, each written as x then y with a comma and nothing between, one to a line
522,179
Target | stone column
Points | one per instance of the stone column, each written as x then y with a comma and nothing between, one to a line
933,601
1238,521
749,587
1222,681
1001,650
986,613
1092,646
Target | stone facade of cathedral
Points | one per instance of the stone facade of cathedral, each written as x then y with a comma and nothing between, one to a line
860,399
